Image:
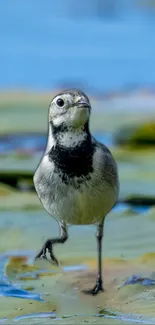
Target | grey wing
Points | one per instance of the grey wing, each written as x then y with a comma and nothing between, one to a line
108,166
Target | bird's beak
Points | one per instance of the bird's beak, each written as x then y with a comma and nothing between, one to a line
82,103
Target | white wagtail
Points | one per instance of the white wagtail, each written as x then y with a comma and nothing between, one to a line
77,178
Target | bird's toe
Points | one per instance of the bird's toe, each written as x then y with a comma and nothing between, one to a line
93,291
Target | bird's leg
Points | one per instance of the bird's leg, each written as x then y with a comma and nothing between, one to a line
99,285
50,242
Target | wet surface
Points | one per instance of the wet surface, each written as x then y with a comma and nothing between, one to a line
127,276
8,290
134,279
104,314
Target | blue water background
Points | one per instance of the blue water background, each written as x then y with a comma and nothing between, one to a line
46,44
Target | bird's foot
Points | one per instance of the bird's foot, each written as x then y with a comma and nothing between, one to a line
98,288
42,253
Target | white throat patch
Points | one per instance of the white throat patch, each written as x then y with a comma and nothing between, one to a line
71,139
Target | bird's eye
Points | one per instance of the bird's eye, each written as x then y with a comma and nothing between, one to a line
60,102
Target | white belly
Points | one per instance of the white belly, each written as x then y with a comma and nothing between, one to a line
86,205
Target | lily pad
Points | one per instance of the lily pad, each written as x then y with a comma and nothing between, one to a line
142,135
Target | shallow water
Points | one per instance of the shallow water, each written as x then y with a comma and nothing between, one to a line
129,234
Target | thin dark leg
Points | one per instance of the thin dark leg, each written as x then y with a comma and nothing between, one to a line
50,242
99,284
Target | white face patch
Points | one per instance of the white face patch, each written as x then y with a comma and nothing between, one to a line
58,120
71,114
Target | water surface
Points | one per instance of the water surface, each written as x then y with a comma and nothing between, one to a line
128,242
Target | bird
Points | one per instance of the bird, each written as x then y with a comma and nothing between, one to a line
77,178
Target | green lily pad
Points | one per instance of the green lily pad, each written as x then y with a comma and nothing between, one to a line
142,135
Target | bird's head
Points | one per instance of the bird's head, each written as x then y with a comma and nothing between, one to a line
69,109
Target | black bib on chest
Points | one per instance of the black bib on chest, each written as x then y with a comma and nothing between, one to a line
73,161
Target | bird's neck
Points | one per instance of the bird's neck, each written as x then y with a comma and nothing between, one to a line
68,137
72,152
